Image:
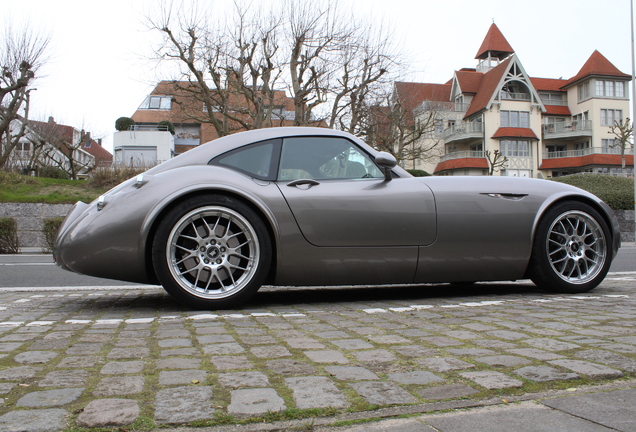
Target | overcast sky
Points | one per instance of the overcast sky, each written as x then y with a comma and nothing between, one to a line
98,72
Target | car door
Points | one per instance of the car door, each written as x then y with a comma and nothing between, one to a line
340,198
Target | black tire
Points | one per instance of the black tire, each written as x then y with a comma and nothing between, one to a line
212,252
572,249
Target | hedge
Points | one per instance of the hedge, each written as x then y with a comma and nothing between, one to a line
617,192
50,228
9,242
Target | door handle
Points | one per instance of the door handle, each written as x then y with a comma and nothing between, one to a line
303,182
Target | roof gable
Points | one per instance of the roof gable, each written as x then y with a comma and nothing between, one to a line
410,94
598,65
495,43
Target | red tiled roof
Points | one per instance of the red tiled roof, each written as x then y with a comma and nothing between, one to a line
487,87
469,80
412,94
581,161
100,153
548,84
461,163
597,64
514,132
494,42
557,110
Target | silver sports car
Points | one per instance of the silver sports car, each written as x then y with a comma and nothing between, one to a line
310,206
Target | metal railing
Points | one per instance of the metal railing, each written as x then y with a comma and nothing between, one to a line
463,155
148,128
547,101
464,128
567,126
442,106
503,95
586,152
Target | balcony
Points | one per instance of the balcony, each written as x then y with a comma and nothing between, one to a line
462,155
514,96
464,131
568,129
586,152
441,107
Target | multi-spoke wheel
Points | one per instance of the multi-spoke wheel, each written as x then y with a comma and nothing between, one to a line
571,250
211,252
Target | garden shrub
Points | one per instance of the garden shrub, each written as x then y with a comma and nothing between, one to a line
124,123
50,228
53,172
617,192
111,176
168,125
417,173
9,242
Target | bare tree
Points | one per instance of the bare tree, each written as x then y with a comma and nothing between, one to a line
496,161
623,130
22,53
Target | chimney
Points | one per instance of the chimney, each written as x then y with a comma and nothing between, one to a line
99,141
51,119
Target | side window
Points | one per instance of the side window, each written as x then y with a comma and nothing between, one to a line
256,160
324,158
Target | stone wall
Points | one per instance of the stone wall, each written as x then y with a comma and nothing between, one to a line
30,218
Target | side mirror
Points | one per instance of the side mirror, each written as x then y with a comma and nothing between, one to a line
386,162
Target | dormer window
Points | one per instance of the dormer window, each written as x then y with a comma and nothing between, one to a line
157,103
610,88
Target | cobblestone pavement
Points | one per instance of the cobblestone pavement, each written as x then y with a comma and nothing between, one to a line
135,358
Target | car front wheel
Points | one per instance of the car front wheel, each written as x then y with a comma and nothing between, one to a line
211,252
572,249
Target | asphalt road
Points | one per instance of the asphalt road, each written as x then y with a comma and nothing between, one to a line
39,271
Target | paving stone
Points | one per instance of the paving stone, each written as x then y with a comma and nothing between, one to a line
18,373
119,385
178,363
622,348
463,334
415,351
210,330
49,398
491,343
6,387
503,360
304,343
414,377
290,367
57,335
492,379
551,344
183,405
85,348
507,334
10,346
173,333
413,332
610,358
352,344
591,370
441,341
18,337
452,391
389,339
126,353
332,334
65,378
270,351
471,351
351,373
366,330
373,356
243,379
316,392
223,348
536,353
544,373
78,362
255,401
231,362
174,343
444,364
96,338
43,420
383,393
250,332
478,327
34,357
186,376
215,338
327,356
108,412
180,352
125,367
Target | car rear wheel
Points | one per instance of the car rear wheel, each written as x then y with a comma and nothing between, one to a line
211,252
572,249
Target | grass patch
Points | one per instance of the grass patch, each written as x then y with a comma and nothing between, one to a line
17,188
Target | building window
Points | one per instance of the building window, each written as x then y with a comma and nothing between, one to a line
157,102
584,91
609,116
608,146
610,88
514,148
515,119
